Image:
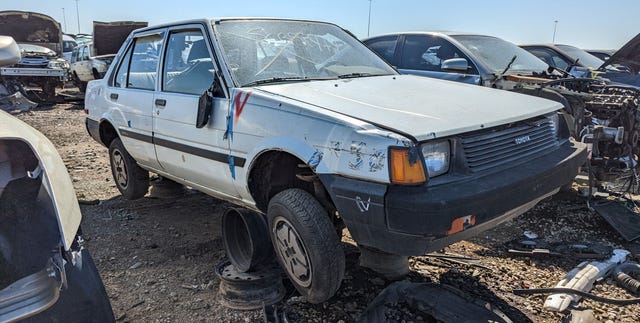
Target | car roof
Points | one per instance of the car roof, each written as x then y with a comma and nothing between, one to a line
431,32
207,21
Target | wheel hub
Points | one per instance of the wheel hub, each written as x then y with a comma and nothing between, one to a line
120,170
293,253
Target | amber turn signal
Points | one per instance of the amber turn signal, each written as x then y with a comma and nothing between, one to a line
404,169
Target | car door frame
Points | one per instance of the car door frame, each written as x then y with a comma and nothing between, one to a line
195,155
469,78
135,128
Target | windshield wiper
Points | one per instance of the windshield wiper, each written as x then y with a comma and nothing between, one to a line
277,80
513,59
355,75
574,63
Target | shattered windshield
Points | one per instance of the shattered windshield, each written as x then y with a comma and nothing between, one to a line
265,51
497,53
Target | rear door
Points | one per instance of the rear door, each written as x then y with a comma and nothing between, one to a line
197,155
131,92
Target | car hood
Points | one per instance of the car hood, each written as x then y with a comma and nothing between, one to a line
56,179
628,55
420,107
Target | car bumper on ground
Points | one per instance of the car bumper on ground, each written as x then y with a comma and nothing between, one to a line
414,220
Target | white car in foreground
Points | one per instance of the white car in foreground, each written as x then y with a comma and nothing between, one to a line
301,122
44,268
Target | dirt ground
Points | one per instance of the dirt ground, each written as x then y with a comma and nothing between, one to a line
157,256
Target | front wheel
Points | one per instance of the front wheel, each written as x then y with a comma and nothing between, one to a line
131,180
306,244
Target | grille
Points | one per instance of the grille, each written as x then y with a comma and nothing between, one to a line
517,142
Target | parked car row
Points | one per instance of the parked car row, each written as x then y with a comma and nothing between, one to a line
600,99
409,164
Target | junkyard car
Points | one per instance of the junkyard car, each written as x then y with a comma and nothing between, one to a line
86,67
621,67
461,57
68,44
603,54
601,114
44,268
301,122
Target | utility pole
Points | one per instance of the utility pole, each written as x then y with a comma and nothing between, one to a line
64,20
555,27
78,16
368,25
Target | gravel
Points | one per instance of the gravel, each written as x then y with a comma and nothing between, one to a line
157,256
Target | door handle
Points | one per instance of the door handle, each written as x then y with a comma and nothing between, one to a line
161,102
113,96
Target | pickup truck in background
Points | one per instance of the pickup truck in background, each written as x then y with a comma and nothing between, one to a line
41,43
90,61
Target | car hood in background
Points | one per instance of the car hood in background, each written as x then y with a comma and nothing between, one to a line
32,28
421,107
628,55
56,179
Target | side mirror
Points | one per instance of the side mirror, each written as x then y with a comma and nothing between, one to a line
455,65
9,51
205,106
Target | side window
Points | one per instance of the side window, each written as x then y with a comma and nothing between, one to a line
550,57
384,46
84,54
188,67
420,52
120,80
143,67
74,55
426,53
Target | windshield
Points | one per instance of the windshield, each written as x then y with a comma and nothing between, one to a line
497,53
586,59
262,51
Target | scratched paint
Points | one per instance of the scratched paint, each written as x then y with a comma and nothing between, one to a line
315,159
376,160
335,147
356,151
228,134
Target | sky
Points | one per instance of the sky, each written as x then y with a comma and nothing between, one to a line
588,24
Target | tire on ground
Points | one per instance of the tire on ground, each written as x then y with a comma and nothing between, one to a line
131,180
306,244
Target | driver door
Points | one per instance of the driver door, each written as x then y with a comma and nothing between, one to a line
424,54
197,155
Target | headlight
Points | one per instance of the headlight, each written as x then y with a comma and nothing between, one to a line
436,156
60,64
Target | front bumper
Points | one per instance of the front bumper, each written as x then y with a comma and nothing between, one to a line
414,220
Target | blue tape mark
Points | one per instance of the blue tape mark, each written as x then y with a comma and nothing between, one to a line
232,166
228,134
315,160
129,123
